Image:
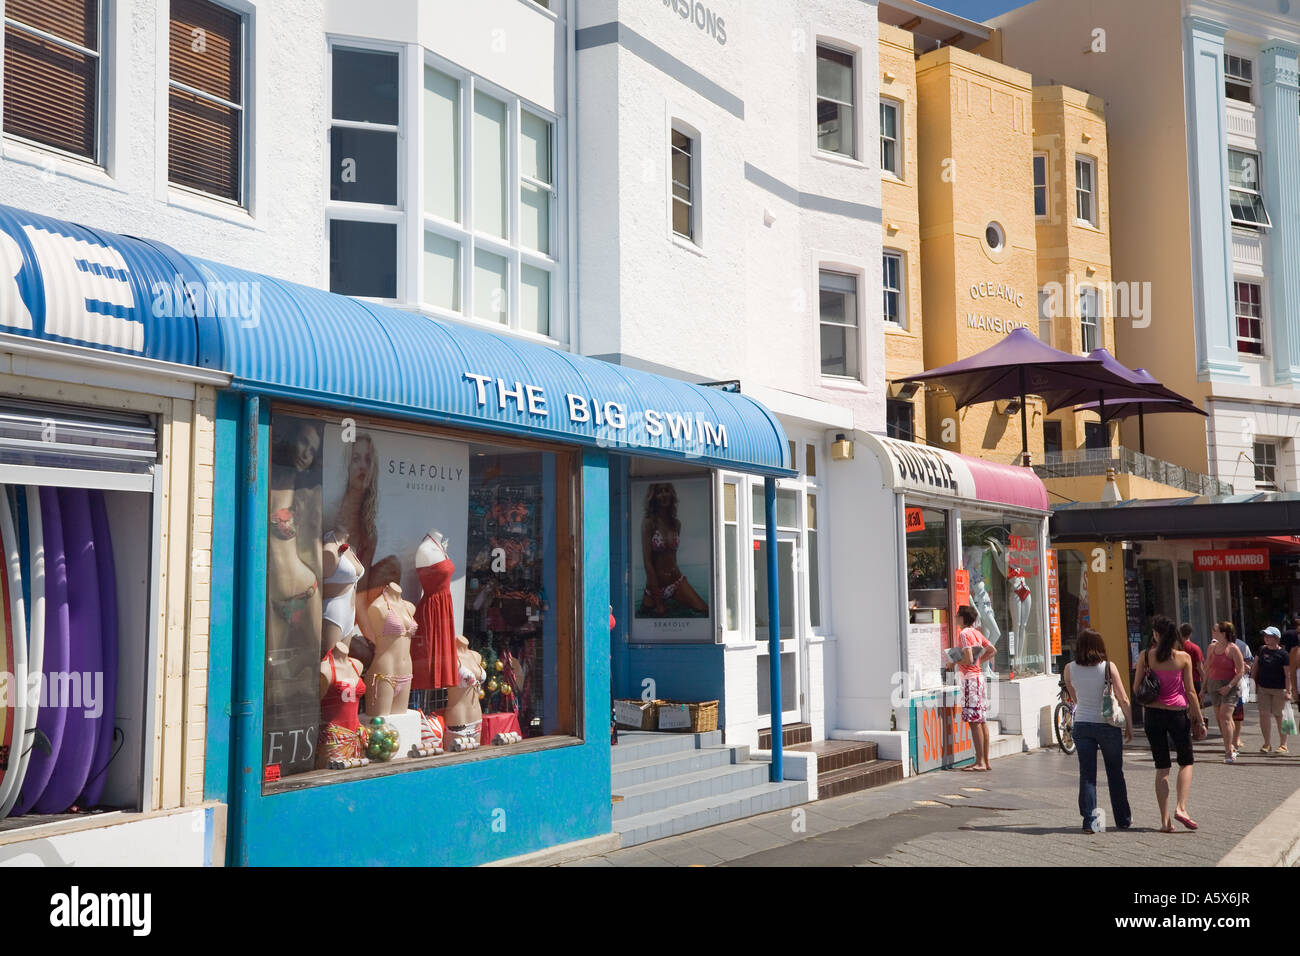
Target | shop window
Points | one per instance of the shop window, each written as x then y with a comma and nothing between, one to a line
1250,317
53,74
928,571
1244,197
1076,613
1005,567
1040,185
1085,190
835,101
1238,77
838,314
205,94
416,597
1266,466
890,154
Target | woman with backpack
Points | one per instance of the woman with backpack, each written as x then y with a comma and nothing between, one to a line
1091,680
1173,714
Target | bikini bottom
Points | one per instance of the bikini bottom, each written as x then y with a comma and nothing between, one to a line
290,609
396,682
669,589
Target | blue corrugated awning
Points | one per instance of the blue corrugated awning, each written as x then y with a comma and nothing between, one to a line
67,283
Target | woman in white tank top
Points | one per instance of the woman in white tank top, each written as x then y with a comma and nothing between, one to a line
1085,679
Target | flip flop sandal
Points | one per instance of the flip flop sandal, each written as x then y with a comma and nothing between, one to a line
1185,820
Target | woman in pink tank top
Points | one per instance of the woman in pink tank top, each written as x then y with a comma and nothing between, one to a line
1167,717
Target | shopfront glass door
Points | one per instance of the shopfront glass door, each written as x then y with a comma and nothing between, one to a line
791,630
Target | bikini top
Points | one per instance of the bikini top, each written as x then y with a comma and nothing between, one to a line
349,569
658,542
470,678
393,624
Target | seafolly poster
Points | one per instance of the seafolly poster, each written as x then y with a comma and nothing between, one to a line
672,566
394,488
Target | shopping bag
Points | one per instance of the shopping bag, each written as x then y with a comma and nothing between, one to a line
1288,720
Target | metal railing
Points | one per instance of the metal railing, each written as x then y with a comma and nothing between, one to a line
1077,462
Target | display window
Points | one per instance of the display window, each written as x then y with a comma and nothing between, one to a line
928,568
1004,562
76,585
419,604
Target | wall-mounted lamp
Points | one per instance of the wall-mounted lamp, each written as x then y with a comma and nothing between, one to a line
903,391
1010,406
842,449
1087,137
889,77
891,227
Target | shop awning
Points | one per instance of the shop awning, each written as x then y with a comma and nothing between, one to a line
1260,515
908,466
67,283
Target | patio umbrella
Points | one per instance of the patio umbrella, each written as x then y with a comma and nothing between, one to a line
1022,364
1141,407
1134,387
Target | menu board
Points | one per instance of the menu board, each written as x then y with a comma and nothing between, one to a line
1053,602
1133,614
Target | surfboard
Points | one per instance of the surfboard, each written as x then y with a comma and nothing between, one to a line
8,712
108,636
80,694
14,621
29,511
50,719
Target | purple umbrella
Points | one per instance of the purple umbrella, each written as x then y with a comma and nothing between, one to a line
1022,364
1126,408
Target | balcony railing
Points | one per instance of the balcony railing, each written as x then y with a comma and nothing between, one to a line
1077,462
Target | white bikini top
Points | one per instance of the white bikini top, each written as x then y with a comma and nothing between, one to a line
468,678
349,570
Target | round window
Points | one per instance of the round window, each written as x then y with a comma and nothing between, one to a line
994,236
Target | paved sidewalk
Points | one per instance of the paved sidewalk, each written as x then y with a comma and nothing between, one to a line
1025,811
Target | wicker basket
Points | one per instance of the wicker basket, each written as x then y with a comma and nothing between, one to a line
636,714
703,715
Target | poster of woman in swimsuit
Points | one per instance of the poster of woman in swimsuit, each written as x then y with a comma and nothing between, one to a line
672,558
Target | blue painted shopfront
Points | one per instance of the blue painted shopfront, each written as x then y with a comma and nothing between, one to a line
284,342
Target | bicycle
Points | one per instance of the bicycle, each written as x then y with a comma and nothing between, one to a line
1063,720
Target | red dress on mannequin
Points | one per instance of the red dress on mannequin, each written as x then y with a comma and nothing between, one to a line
433,649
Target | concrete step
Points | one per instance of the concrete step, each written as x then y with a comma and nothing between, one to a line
684,788
791,734
710,811
858,776
1004,745
633,772
634,745
837,754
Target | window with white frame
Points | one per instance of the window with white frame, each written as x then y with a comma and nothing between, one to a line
1266,466
365,201
491,202
835,101
838,316
892,280
1085,190
1046,306
1238,77
891,157
1244,196
1089,320
1040,185
683,156
1250,317
53,74
206,128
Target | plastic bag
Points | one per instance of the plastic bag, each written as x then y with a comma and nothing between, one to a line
1288,719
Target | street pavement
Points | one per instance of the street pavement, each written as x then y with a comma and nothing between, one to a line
1024,811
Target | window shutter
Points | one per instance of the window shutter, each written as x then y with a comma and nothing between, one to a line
203,141
50,90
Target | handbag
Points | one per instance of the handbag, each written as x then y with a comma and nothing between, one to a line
1111,712
1148,692
1288,719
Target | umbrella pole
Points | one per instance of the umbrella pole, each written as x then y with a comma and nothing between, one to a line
1024,422
1101,413
1142,431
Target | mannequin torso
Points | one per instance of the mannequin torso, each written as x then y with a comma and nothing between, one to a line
392,624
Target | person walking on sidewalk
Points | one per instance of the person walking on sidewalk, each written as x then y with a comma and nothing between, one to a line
1197,655
1167,717
976,649
1273,678
1224,669
1086,678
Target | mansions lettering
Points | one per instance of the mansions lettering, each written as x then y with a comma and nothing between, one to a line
993,323
705,19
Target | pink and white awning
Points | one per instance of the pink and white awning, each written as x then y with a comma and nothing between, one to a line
919,468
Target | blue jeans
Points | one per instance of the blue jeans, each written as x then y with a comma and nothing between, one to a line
1088,738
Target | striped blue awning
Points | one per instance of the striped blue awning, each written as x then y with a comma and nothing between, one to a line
67,283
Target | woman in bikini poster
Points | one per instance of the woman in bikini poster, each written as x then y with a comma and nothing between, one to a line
671,540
